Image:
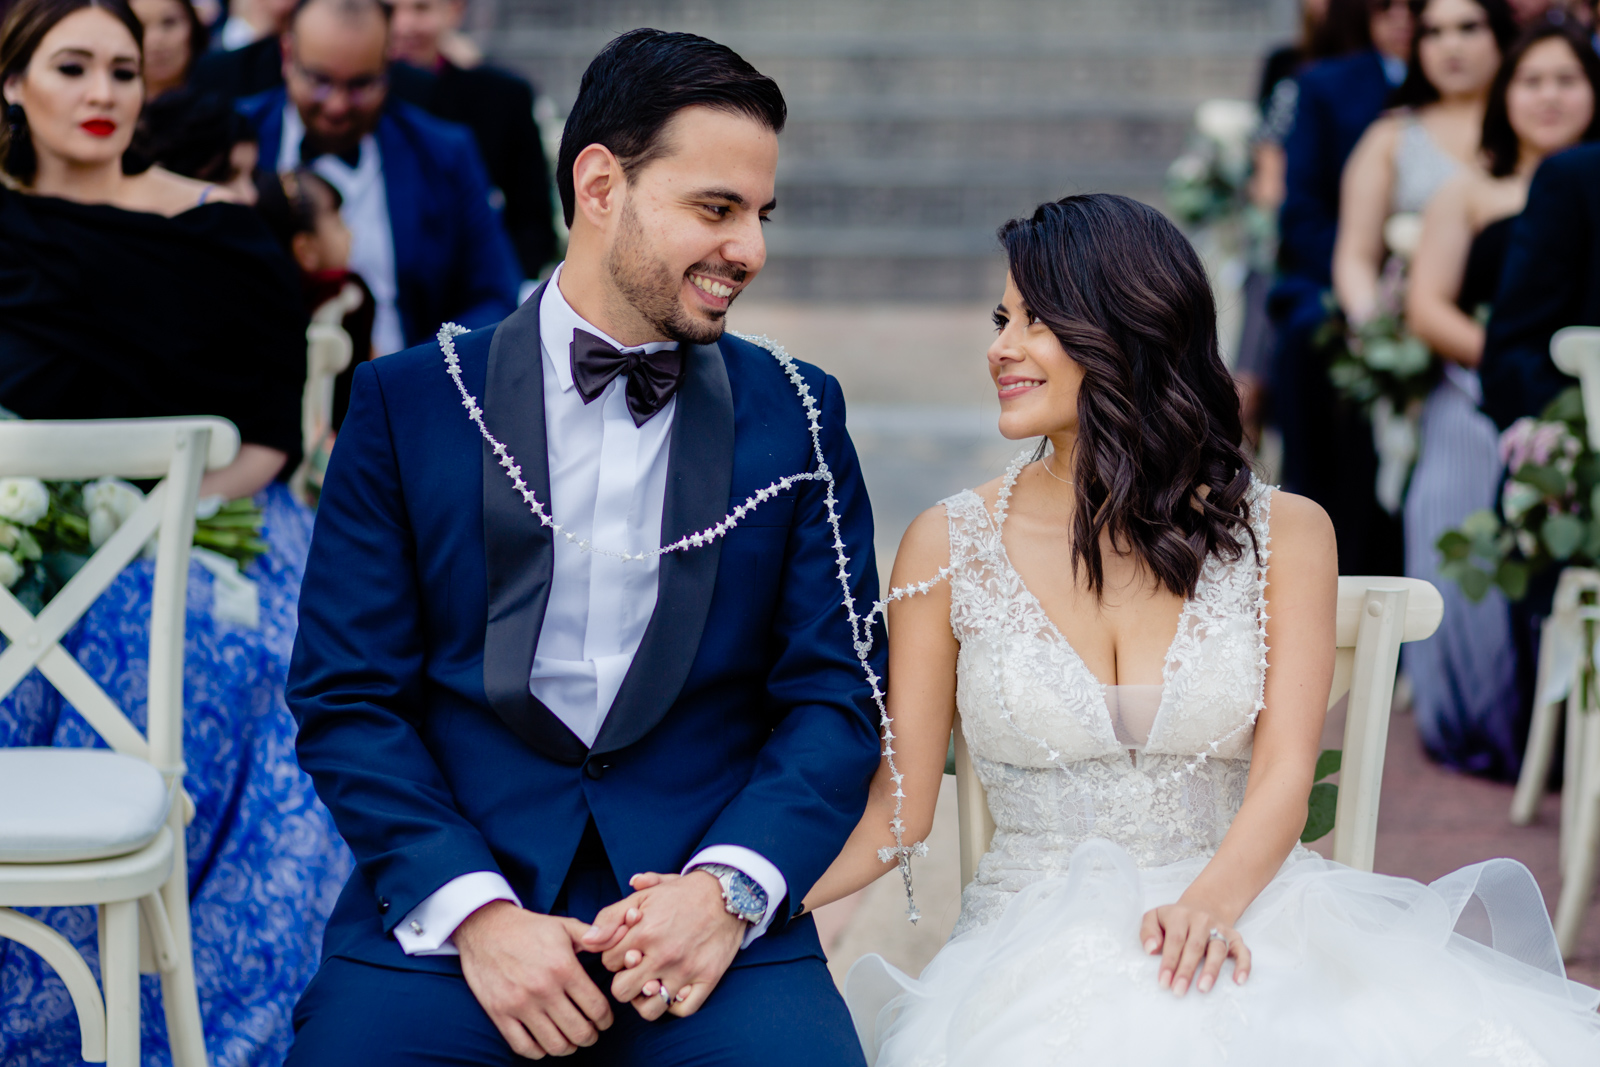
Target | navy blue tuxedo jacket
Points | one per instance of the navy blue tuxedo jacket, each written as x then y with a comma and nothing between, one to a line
745,719
453,259
1550,280
1338,99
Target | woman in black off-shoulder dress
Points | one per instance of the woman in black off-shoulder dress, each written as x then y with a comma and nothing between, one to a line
165,299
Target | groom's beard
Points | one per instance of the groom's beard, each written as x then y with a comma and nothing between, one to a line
654,292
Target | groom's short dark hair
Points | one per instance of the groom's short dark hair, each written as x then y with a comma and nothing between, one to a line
644,77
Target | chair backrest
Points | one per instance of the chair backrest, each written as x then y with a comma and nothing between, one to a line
178,451
328,352
1576,351
1375,615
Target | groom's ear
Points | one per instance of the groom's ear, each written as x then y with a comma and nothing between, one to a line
598,184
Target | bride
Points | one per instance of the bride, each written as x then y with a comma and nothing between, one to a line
1138,636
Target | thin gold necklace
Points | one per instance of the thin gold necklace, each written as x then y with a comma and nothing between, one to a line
1045,463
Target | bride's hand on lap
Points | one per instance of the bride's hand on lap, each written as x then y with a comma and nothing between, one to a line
611,925
1181,933
678,934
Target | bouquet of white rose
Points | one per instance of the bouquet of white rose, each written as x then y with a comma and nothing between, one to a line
48,530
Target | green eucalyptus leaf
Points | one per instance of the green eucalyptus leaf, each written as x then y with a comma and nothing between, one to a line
27,547
1321,808
1328,763
1474,582
1562,534
1566,407
1512,578
1548,480
1455,545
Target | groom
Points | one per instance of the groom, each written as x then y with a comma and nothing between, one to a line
506,725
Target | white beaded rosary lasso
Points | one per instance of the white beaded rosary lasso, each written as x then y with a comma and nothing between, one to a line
860,625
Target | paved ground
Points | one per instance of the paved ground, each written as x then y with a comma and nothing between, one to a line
922,415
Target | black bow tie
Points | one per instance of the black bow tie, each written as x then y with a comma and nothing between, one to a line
652,376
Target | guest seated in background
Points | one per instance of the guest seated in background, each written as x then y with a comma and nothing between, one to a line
302,210
245,59
496,106
190,132
1467,702
425,236
1404,157
152,295
1327,449
199,136
173,37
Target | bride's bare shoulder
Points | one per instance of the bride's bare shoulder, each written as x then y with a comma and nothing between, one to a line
1301,533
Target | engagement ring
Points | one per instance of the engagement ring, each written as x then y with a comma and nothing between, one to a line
665,996
1216,935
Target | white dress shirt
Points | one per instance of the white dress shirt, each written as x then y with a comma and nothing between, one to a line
366,214
608,484
236,33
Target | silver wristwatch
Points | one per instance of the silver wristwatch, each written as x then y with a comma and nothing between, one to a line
742,895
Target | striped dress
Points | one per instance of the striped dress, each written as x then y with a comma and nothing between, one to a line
1464,677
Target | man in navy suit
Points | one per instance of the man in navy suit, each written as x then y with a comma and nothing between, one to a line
1327,447
425,237
509,716
1551,280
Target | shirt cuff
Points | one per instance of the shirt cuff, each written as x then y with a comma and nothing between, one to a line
427,928
756,867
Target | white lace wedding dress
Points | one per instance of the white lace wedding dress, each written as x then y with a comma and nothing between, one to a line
1109,800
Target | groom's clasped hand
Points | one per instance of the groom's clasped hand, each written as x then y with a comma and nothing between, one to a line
668,944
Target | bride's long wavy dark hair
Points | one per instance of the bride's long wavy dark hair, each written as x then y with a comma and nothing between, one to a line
1158,464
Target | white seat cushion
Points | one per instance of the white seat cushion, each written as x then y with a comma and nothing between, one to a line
58,805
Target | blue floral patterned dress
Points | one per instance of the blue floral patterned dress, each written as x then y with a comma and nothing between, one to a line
265,862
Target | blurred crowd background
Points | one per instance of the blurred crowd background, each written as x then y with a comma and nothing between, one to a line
1366,179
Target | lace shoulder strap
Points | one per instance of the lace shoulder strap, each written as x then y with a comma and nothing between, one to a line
974,535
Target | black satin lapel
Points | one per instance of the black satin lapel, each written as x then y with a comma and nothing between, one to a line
699,474
518,554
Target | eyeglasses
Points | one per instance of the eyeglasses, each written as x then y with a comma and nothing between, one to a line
364,89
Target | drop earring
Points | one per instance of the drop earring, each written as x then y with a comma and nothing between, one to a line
15,118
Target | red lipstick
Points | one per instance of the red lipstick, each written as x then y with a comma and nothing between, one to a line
99,127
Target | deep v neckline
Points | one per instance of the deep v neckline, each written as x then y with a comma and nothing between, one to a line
1168,661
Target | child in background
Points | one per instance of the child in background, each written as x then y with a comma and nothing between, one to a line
302,210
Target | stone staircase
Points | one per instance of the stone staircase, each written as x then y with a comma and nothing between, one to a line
918,126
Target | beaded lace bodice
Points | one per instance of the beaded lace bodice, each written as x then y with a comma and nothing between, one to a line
1059,768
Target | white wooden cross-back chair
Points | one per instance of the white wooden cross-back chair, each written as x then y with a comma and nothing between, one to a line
1375,616
1565,655
88,826
328,352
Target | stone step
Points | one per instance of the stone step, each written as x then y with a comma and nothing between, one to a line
899,17
945,71
918,126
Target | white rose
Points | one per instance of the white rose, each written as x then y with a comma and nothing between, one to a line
10,570
114,495
23,501
102,524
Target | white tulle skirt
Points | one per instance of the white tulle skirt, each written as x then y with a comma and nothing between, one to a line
1350,969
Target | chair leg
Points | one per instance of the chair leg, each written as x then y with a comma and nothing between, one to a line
119,975
58,952
179,995
1536,760
1582,860
1580,725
